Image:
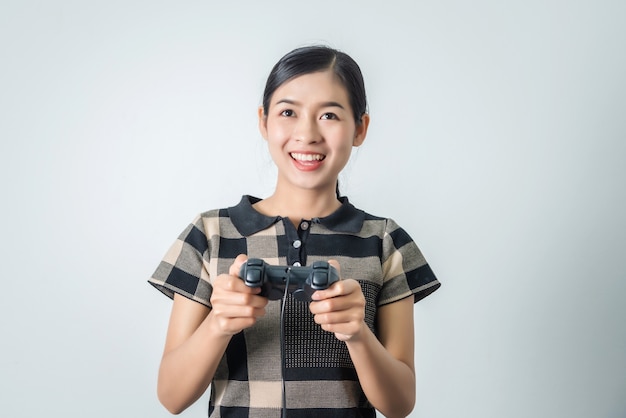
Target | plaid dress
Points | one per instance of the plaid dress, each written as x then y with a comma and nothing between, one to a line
311,366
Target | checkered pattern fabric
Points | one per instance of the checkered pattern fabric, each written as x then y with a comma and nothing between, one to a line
320,379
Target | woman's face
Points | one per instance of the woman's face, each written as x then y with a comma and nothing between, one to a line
310,130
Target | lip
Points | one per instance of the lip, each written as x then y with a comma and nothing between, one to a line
307,161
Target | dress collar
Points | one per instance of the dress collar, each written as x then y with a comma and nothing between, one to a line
249,221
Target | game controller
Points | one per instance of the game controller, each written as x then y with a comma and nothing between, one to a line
303,280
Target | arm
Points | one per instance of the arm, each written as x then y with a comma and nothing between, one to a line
384,366
197,338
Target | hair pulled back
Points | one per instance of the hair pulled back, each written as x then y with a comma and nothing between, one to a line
311,59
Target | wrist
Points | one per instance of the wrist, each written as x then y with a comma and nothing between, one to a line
358,337
216,330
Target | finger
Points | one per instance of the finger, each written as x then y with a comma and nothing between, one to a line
324,294
240,311
232,284
336,265
236,266
241,299
340,288
235,270
331,292
331,305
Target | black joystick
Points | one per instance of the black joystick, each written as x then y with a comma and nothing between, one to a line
303,280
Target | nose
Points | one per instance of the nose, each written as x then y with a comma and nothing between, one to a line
306,131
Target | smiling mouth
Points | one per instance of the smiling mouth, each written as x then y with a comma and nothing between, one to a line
307,157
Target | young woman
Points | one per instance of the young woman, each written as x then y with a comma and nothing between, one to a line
350,350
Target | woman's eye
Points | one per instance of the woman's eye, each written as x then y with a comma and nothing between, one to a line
287,113
329,116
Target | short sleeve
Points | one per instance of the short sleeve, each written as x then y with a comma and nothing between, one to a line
185,267
405,271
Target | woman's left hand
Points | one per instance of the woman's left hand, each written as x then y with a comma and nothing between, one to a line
340,309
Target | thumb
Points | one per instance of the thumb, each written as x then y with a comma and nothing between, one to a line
336,265
236,266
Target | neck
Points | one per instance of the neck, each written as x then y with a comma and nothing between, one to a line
299,204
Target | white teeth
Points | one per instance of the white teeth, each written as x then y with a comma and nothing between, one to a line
307,157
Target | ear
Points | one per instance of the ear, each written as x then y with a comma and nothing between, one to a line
361,130
262,123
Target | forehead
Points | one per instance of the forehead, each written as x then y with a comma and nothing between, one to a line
315,87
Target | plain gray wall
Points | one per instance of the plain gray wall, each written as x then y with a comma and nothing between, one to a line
498,140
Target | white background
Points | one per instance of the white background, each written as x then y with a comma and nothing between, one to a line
498,141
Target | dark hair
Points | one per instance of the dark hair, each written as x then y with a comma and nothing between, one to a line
311,59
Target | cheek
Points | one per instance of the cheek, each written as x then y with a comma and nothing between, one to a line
276,141
278,130
343,138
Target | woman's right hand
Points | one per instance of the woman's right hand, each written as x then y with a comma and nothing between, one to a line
198,336
235,306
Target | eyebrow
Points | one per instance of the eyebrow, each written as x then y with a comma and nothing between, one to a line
323,104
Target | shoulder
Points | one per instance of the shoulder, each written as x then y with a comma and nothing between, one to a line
210,223
383,225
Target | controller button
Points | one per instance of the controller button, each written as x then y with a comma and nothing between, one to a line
319,265
300,295
320,278
253,277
